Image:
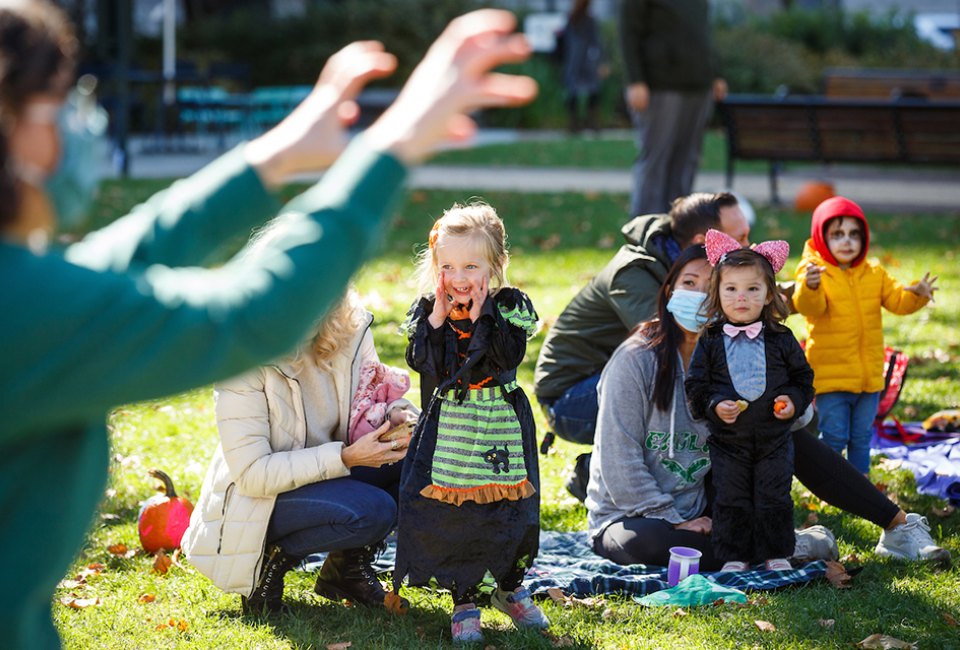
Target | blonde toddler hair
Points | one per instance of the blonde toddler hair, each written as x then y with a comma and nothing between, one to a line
478,221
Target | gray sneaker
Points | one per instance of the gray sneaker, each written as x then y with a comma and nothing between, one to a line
815,543
911,541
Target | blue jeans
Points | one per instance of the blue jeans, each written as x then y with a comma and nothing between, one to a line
573,415
846,422
336,514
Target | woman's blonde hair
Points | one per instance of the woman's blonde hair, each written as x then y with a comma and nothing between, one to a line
478,221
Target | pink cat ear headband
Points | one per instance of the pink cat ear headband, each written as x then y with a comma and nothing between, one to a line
718,244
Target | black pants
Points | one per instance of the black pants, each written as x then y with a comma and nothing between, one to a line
753,509
822,470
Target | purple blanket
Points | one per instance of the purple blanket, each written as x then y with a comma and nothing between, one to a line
934,460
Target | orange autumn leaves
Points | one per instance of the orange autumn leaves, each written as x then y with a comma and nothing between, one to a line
82,586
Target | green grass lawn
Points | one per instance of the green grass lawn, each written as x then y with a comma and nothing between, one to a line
614,150
558,241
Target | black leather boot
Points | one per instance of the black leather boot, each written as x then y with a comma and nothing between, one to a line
349,575
267,597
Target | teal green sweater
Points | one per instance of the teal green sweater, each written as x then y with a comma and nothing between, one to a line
129,314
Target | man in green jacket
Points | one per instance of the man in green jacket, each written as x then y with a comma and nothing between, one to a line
129,313
624,293
672,81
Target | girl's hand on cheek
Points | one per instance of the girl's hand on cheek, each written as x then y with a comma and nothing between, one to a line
727,411
441,304
478,295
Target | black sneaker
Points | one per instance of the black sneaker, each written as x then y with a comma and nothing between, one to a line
577,483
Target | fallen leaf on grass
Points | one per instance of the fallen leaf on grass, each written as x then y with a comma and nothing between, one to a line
146,598
94,569
70,584
680,612
881,486
943,512
121,550
837,575
162,562
884,642
558,641
765,626
557,596
73,602
890,464
174,624
851,558
826,622
949,619
343,645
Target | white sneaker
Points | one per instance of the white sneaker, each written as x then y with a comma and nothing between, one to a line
911,541
815,543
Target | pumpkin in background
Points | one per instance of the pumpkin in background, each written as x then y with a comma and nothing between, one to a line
812,194
164,517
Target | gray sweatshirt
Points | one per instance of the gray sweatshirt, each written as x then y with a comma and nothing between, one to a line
632,472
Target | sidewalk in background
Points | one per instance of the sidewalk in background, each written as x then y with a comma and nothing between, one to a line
889,190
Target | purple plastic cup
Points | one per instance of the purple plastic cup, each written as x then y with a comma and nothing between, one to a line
684,561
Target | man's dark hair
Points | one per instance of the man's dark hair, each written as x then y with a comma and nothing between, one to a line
697,213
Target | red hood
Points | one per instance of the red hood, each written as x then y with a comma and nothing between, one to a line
837,206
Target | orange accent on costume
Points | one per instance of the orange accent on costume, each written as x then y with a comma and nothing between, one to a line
483,382
489,493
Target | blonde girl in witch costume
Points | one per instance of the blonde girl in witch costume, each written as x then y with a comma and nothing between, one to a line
469,499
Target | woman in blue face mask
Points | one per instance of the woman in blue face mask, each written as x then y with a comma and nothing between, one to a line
129,312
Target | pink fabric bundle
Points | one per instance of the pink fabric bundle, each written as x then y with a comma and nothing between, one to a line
379,386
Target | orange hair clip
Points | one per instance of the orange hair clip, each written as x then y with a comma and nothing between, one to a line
434,233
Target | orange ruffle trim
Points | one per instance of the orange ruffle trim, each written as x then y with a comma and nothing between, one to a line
489,493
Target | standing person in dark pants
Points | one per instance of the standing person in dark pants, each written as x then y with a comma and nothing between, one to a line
581,66
672,82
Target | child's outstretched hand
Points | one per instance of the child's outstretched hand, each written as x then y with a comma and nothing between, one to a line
478,295
925,287
727,410
813,275
442,305
783,408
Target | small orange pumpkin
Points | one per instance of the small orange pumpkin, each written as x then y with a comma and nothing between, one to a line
812,194
163,517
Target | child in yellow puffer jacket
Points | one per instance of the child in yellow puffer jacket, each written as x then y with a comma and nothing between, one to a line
840,293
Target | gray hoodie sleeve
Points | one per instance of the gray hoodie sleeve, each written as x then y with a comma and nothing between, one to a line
625,482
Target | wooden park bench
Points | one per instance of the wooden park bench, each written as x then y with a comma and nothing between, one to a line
817,129
878,83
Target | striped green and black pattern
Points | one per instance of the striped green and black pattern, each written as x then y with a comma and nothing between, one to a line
478,442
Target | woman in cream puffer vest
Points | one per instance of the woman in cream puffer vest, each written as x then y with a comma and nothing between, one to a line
283,483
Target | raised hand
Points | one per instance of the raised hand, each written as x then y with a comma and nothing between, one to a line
925,287
442,305
813,275
478,295
453,79
315,133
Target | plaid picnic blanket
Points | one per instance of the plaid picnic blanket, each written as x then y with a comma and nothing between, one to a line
567,562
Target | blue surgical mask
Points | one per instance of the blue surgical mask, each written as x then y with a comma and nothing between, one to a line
685,307
73,185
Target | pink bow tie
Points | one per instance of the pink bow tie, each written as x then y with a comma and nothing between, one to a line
752,330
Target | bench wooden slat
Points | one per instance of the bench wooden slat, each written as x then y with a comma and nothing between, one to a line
816,129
